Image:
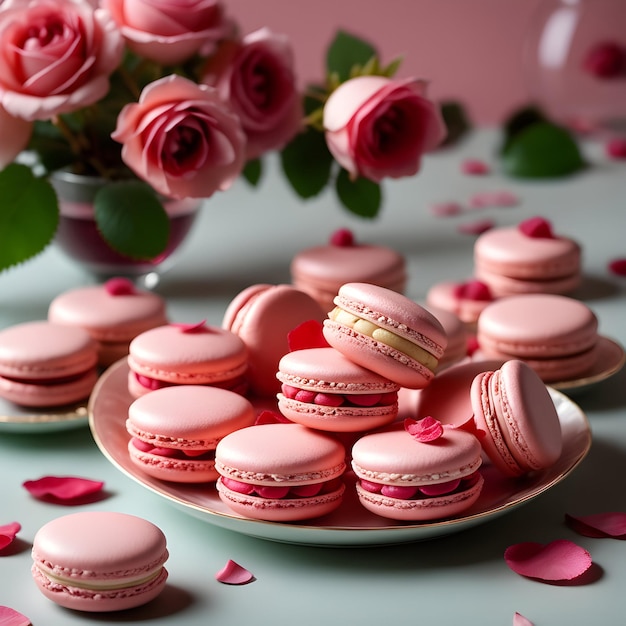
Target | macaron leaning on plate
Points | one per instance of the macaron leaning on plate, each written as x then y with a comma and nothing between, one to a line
175,430
323,389
280,472
386,332
46,365
99,561
418,471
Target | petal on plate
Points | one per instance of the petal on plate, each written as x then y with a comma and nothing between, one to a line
62,487
475,167
425,430
557,560
234,574
520,620
7,534
10,617
306,335
611,524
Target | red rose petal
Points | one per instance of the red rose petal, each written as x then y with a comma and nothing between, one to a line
536,227
475,167
605,60
476,228
270,417
618,267
7,534
306,335
10,617
425,430
199,327
520,620
342,238
62,487
557,560
599,525
616,148
120,287
234,574
446,209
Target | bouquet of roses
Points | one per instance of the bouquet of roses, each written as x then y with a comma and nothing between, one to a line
167,99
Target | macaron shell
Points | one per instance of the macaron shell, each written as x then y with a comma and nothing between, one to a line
444,296
503,286
262,316
456,334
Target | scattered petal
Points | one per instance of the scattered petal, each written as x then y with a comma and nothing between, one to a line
234,574
487,199
520,620
10,617
7,535
199,327
537,228
270,417
599,525
557,560
476,228
606,59
343,238
446,209
62,487
616,148
618,267
425,430
306,335
475,167
120,287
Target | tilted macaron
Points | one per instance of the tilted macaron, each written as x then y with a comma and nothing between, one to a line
520,426
418,471
263,316
280,472
186,354
175,430
44,364
99,561
556,335
527,258
113,313
386,332
323,389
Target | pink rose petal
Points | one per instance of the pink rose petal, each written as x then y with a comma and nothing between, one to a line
475,228
618,267
306,335
475,167
446,209
599,525
616,148
536,228
487,199
557,560
62,487
425,430
120,287
10,617
199,327
8,533
520,620
343,238
234,574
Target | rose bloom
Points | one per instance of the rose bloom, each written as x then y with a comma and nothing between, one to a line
181,138
256,76
55,56
377,127
15,133
170,31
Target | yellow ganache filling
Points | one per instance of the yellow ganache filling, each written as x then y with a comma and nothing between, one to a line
389,338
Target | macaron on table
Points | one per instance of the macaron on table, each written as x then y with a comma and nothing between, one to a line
301,568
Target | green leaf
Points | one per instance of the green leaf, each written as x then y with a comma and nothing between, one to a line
346,51
131,219
456,121
519,121
306,162
361,196
29,215
252,171
542,150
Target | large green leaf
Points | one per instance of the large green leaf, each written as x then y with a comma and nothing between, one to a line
131,219
29,215
361,196
252,171
345,52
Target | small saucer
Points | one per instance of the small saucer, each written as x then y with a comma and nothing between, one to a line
20,419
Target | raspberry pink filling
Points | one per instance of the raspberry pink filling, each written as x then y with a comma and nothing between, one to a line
424,491
60,380
238,384
171,453
281,492
339,399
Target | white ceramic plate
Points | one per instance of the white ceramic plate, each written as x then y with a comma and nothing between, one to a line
351,524
19,419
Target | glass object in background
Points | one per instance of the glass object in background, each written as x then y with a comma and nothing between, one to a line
575,63
79,238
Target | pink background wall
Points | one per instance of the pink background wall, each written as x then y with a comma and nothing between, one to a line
470,50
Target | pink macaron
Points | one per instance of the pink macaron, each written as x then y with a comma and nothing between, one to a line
186,354
280,472
174,431
386,332
457,337
99,561
113,313
321,270
556,335
528,258
46,365
418,471
262,316
517,420
323,389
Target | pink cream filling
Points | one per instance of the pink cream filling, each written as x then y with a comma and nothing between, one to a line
281,492
235,384
171,453
424,491
338,399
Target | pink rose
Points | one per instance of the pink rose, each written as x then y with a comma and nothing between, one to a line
15,134
377,127
55,56
170,31
181,138
256,76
